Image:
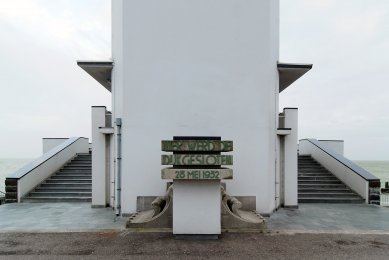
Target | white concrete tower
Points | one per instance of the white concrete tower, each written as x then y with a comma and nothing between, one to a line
196,68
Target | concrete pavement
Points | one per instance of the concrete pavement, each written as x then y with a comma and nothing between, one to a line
331,218
308,218
57,217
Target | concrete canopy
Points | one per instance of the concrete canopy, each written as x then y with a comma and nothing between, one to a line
290,72
99,70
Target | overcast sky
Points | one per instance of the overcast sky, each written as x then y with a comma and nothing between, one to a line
45,94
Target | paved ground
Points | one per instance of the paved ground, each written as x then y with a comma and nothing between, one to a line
124,245
330,218
56,217
52,231
309,218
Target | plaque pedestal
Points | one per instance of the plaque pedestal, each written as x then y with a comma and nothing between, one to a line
196,173
196,207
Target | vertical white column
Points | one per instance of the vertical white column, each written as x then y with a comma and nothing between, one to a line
98,157
290,148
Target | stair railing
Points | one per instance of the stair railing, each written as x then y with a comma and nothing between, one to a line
385,195
21,182
358,179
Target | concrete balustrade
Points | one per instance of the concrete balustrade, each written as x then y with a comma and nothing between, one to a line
358,179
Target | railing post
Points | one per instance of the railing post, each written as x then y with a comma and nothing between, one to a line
374,195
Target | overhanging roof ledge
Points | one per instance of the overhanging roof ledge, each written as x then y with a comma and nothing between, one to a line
99,70
290,72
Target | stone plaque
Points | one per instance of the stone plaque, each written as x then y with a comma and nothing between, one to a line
196,174
197,146
196,159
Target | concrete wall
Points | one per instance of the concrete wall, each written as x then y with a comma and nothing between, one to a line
50,143
201,68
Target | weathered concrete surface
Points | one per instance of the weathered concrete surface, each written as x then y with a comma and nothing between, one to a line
334,218
308,218
57,217
125,245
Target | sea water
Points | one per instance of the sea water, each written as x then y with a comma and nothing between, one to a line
378,168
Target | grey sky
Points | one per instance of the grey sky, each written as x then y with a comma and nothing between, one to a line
45,94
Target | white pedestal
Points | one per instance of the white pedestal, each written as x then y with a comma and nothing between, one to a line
196,207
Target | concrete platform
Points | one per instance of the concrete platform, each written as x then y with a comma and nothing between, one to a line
331,218
308,218
57,217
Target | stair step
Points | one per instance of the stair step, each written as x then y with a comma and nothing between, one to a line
79,164
73,174
75,171
319,182
73,177
322,186
308,162
71,166
314,190
315,174
89,164
311,170
87,170
53,199
80,181
327,194
59,194
318,178
59,189
331,200
310,165
66,184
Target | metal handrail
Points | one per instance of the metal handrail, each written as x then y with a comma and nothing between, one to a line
43,159
2,194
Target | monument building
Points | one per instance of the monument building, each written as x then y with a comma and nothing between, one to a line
195,68
195,131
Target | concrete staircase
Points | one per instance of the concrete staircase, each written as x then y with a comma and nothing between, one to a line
72,183
317,185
